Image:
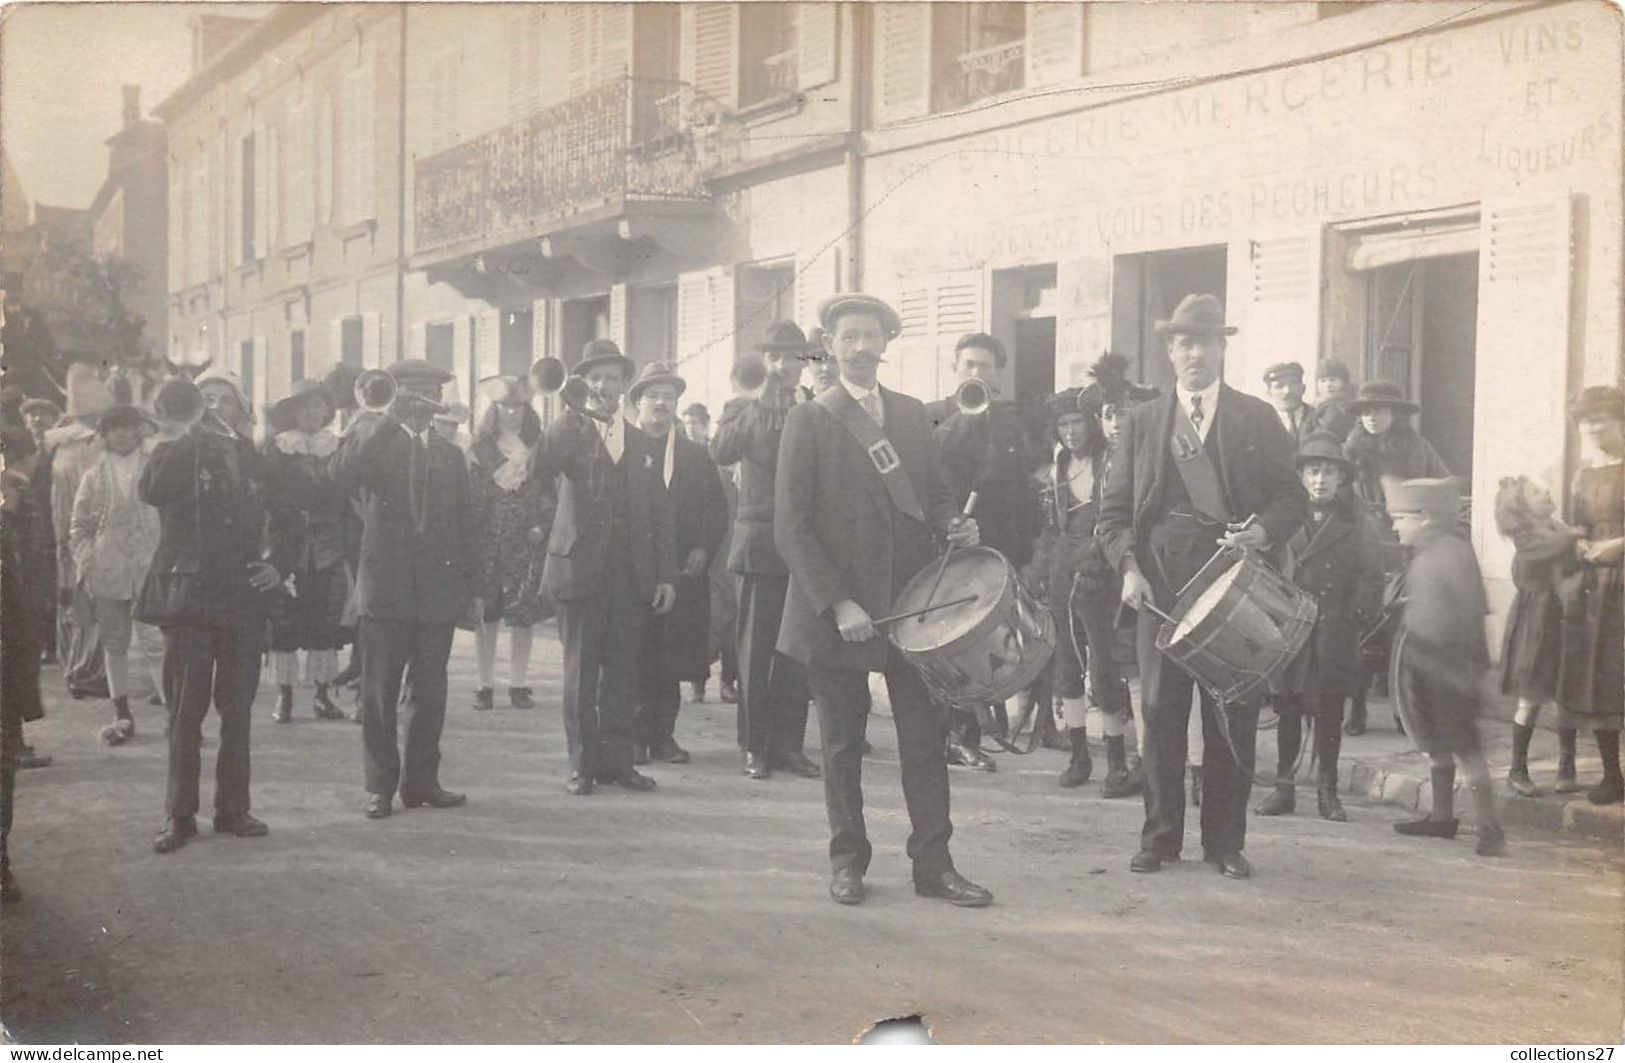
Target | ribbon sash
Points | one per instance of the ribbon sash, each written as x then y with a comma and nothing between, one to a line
881,453
1196,468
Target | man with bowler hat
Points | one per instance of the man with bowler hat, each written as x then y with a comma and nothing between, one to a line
419,549
611,563
1205,466
772,722
858,508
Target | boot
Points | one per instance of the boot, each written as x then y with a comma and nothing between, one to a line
1566,782
1492,840
1120,782
1611,790
1283,800
1330,807
521,698
284,705
1441,822
323,705
484,700
1518,780
1081,766
1355,726
122,719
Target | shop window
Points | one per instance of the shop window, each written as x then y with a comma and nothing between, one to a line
767,51
978,51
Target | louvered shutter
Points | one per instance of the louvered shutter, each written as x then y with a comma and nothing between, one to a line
1083,326
613,48
817,44
617,321
579,33
322,165
524,62
705,326
541,321
817,278
902,60
958,305
1054,46
912,350
301,186
1525,270
488,341
709,55
1278,309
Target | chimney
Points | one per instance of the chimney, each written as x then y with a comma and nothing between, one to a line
132,105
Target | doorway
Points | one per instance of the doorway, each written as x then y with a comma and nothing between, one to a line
1023,315
1145,289
581,321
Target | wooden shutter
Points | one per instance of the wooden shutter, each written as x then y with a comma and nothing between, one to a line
817,278
959,304
1054,46
488,341
1083,325
1278,309
617,320
579,33
902,60
612,56
705,328
524,61
1524,290
541,319
709,57
818,41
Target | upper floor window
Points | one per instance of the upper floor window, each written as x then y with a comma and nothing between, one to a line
979,51
767,51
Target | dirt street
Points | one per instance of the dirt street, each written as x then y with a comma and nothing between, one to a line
699,913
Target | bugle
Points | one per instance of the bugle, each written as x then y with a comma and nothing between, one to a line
973,397
550,377
178,405
376,392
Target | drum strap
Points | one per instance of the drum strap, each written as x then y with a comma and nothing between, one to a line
1196,468
880,450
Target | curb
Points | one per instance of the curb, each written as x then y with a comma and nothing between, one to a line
1409,788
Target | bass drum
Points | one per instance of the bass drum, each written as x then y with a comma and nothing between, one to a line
978,652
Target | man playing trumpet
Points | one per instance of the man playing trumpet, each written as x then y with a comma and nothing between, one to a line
415,579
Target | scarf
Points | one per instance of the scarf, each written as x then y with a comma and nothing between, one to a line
515,462
319,444
668,463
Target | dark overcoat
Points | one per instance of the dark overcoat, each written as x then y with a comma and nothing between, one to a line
410,573
748,435
837,529
988,453
699,521
1341,564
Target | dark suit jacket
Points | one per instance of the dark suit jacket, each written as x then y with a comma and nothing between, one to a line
577,549
748,434
1341,564
699,521
426,578
213,496
833,523
988,454
1255,467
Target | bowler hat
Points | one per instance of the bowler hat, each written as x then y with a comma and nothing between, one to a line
419,372
284,411
697,409
1381,394
857,303
1321,445
1436,497
603,352
1283,371
1197,315
656,373
1593,402
783,337
121,416
1332,366
506,389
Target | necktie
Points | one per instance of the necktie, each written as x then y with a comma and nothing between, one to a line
1196,413
872,406
418,477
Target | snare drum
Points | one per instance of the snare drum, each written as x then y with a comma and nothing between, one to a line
982,651
1237,625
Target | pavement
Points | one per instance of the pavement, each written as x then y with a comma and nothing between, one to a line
698,913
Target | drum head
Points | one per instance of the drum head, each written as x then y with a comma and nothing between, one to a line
1206,603
980,571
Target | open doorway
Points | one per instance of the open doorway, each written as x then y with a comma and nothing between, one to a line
1145,289
1023,314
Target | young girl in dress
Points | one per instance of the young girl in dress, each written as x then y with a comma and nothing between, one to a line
1531,648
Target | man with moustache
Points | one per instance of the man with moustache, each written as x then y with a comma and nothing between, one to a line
1205,466
859,504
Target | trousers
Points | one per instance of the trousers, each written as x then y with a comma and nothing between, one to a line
842,697
203,665
772,717
603,635
397,654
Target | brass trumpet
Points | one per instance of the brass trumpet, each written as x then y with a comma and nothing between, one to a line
179,406
973,397
550,377
376,392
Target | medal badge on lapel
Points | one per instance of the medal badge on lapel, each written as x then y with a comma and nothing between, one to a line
1184,447
884,456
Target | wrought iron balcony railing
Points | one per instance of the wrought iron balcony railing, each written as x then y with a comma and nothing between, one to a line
626,140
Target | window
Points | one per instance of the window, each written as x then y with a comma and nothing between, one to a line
248,194
979,51
296,355
767,51
350,335
439,347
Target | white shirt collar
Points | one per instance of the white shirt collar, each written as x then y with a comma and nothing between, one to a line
1209,396
857,392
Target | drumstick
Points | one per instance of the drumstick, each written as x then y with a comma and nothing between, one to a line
942,566
1146,604
921,612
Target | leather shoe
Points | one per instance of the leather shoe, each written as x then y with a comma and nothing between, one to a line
970,757
632,779
1427,827
242,824
669,752
846,887
955,888
484,699
176,832
579,785
520,698
796,763
436,798
1148,860
756,766
1230,865
379,806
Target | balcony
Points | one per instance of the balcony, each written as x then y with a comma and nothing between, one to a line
625,142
